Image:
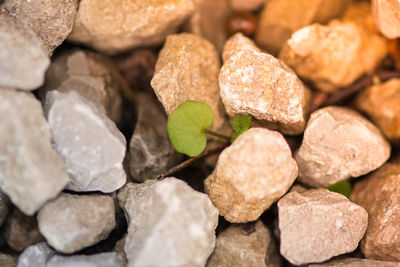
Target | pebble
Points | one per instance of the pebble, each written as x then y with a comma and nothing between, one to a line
251,174
25,144
169,224
4,206
150,150
378,194
381,103
318,224
248,5
116,26
244,22
89,142
72,222
52,21
22,231
187,69
280,18
106,259
334,56
35,256
257,84
7,260
338,144
387,17
235,249
355,262
23,62
88,74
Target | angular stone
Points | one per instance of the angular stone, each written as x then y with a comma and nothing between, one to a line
187,69
150,150
72,222
106,259
257,84
380,103
4,206
338,144
116,26
378,194
51,20
251,174
168,212
318,224
355,262
387,17
22,231
23,61
248,5
89,74
31,172
35,256
89,142
280,18
7,260
235,249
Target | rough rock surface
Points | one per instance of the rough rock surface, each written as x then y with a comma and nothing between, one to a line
23,62
235,249
7,260
387,17
318,224
169,218
90,75
22,231
378,194
35,256
338,144
248,5
4,206
251,174
280,18
335,55
72,222
120,25
356,262
25,143
257,84
187,69
51,20
381,104
89,142
150,150
106,259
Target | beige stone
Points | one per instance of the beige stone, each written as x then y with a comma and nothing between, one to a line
235,248
381,103
356,262
387,17
378,194
187,69
318,224
7,260
251,174
280,18
257,84
246,5
338,144
115,26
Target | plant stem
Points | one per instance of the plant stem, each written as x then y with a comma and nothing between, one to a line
217,134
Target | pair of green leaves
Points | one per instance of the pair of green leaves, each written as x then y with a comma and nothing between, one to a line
188,123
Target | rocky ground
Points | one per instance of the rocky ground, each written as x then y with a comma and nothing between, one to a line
86,88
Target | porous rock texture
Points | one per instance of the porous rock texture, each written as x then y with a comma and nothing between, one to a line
257,84
25,143
169,224
387,17
251,174
119,25
318,224
72,222
338,144
51,20
23,61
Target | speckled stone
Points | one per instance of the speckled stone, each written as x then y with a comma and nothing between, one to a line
387,17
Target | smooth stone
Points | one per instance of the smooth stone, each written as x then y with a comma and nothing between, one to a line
318,224
387,17
35,256
338,144
52,21
7,260
255,83
72,222
89,142
355,262
105,259
251,174
169,224
23,61
31,172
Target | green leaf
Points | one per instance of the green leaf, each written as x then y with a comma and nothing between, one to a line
240,124
342,187
186,125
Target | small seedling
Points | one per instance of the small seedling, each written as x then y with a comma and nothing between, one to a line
188,123
341,187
